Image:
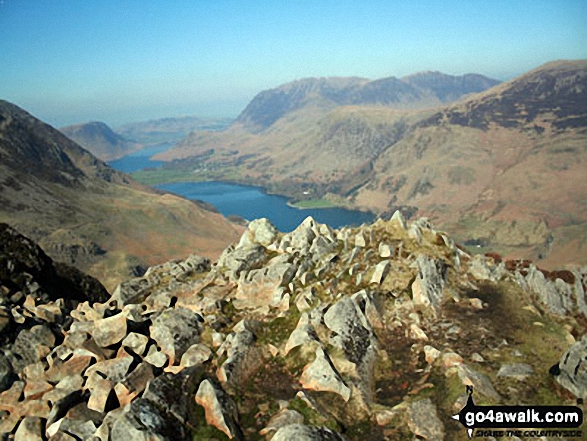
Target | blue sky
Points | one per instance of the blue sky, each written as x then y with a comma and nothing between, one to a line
117,61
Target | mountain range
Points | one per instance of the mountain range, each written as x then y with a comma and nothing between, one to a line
501,168
86,214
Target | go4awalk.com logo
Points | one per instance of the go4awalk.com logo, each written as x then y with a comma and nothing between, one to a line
550,421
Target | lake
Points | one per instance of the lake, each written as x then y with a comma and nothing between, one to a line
252,203
140,159
245,201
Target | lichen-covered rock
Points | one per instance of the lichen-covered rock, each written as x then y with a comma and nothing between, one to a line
423,420
482,384
571,370
29,429
261,287
302,334
321,375
243,358
485,268
109,331
175,330
169,392
235,261
259,232
519,371
301,238
428,287
558,296
219,408
380,272
143,421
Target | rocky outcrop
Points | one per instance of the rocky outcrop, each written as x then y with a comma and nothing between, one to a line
368,332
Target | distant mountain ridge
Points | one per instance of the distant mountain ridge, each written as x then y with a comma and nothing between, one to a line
84,213
99,139
501,168
425,89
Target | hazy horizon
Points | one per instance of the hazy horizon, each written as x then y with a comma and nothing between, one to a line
70,62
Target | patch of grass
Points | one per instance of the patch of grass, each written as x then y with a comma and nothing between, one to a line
311,416
278,330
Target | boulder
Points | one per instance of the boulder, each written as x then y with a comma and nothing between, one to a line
29,429
571,370
243,360
427,289
423,420
283,418
175,330
241,259
321,375
301,238
109,331
219,409
143,421
482,384
380,273
518,371
259,232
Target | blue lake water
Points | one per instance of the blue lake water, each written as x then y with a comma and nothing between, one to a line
241,200
251,203
140,159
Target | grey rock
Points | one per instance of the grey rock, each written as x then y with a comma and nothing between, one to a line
428,287
559,297
360,240
301,238
571,371
169,393
353,334
322,376
220,410
29,429
480,382
243,358
385,250
283,418
132,291
143,421
300,432
483,268
398,218
241,260
423,420
259,232
30,345
519,371
175,330
380,273
303,333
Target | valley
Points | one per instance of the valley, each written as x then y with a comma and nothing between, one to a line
464,165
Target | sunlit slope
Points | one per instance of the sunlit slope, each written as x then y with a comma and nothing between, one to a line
83,212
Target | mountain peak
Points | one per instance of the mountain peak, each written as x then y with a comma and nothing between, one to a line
425,89
99,139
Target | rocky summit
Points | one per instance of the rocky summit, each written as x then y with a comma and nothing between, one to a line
371,332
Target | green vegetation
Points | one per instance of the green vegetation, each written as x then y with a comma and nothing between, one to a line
314,203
